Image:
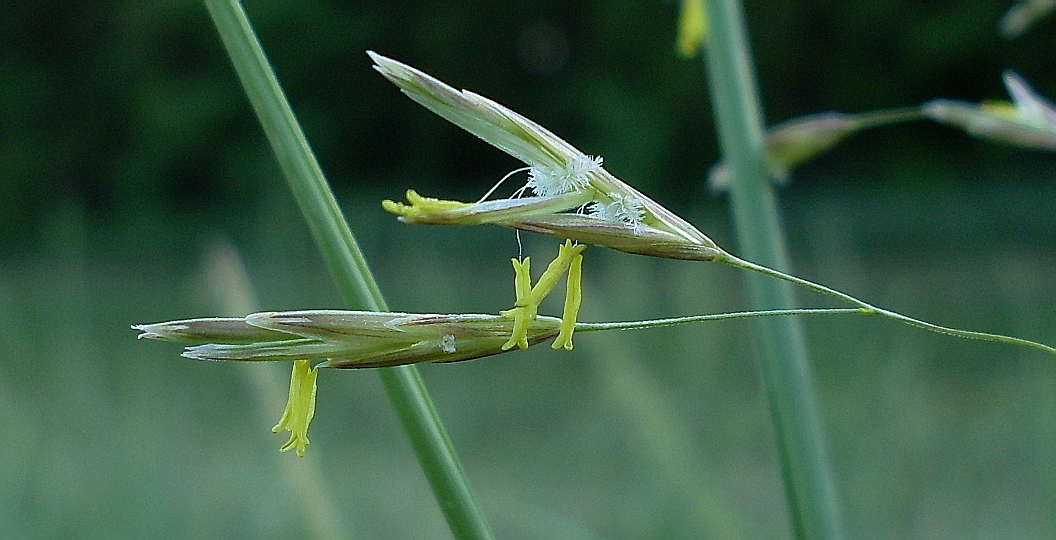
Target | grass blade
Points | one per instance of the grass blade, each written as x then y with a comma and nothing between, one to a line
347,265
785,360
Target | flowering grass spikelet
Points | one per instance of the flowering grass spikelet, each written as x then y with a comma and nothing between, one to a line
1030,107
346,340
1020,17
1029,120
562,180
799,140
349,339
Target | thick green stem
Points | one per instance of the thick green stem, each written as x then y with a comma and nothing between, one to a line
785,364
347,265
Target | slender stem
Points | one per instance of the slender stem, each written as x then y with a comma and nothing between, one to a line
673,321
785,362
347,265
870,309
883,117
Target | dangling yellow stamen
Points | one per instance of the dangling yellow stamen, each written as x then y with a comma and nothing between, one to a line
300,407
527,305
552,275
573,299
523,311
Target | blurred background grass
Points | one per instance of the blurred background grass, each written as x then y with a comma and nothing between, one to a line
128,151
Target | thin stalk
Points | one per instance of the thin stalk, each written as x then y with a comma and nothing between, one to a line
785,363
884,117
869,309
347,266
674,321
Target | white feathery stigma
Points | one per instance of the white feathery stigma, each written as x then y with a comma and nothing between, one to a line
545,181
623,208
447,343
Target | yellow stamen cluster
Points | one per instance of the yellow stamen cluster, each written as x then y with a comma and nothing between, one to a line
526,308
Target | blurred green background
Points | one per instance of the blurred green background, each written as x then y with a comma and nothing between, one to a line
132,166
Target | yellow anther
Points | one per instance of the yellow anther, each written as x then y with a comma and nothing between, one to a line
300,407
421,206
573,299
1003,109
692,27
523,311
522,279
552,275
527,306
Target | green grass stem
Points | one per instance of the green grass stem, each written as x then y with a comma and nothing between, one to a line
886,117
785,363
347,265
673,321
869,309
863,308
